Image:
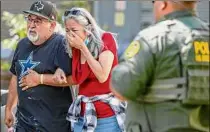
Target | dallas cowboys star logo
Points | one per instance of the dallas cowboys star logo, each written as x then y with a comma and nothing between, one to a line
39,6
27,64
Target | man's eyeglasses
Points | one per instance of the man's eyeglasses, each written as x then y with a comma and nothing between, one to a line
37,21
75,13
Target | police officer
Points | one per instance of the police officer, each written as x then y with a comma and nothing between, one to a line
165,75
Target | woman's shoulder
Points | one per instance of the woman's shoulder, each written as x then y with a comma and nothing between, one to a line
109,41
108,38
107,35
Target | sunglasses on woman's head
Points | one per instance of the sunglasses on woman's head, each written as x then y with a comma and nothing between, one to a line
75,13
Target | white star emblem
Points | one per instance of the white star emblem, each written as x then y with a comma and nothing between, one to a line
39,6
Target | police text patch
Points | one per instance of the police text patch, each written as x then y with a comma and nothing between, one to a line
201,51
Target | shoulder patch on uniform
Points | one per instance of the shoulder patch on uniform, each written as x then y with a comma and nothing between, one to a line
132,49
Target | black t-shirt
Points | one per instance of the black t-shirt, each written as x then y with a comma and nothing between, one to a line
43,107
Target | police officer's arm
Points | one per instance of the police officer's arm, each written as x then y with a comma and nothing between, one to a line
131,77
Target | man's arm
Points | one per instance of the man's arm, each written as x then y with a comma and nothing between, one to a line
12,97
131,77
61,61
33,79
48,79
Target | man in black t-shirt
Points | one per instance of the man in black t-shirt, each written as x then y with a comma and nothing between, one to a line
44,107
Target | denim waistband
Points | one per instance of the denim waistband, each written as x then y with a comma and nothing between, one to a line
105,120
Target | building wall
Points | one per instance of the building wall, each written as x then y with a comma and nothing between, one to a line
138,15
203,10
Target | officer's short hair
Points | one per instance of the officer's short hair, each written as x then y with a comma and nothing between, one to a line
188,2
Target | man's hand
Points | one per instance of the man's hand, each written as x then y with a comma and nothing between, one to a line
12,100
9,118
30,80
59,76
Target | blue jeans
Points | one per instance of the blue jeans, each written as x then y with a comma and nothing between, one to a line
108,124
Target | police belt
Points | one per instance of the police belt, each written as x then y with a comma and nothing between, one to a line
166,89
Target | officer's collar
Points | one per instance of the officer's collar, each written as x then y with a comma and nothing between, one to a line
177,14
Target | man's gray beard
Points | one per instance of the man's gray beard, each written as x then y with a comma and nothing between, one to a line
32,38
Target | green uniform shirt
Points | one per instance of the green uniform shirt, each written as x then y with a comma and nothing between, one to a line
154,54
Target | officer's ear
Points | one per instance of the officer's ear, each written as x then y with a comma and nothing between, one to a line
163,5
